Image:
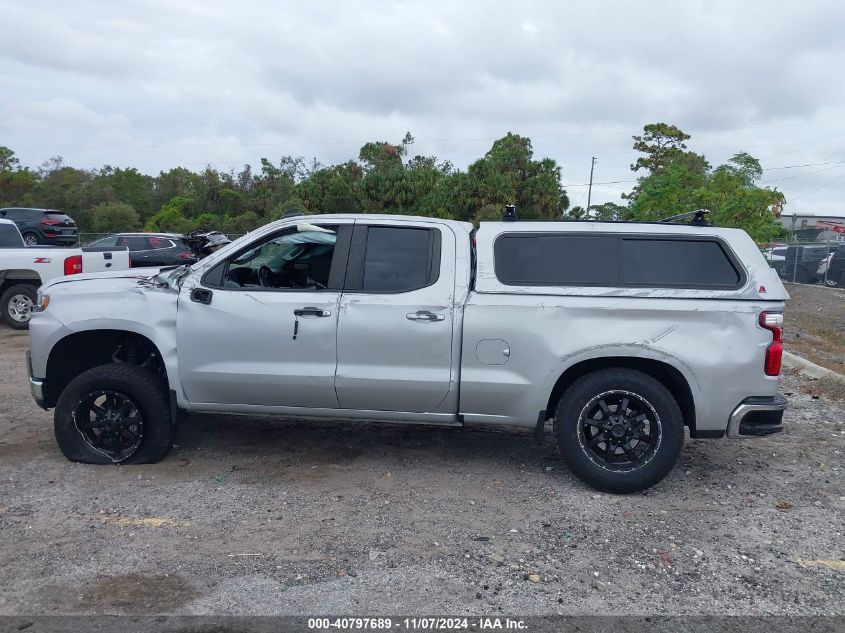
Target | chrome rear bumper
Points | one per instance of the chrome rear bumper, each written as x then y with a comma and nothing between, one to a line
757,416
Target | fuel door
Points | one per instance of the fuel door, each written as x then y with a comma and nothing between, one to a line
492,351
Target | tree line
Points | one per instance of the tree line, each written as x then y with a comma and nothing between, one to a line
388,178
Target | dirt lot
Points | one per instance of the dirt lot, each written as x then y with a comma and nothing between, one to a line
262,516
815,325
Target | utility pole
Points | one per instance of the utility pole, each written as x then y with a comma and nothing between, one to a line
590,190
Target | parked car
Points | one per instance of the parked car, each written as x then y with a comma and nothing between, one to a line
42,226
835,267
775,254
801,263
23,269
151,249
621,333
166,249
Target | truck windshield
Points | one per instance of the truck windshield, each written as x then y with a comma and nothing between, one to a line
10,237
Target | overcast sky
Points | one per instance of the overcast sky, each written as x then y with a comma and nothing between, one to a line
167,83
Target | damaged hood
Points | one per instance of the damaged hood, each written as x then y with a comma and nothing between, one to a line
138,301
129,277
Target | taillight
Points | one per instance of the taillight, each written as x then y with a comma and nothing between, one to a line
73,264
49,222
186,255
773,321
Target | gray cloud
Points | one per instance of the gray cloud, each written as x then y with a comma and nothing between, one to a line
159,84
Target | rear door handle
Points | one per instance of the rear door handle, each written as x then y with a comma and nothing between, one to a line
311,311
424,315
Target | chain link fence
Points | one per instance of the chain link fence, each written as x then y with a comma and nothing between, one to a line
809,262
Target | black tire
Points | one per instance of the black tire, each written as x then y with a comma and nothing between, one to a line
30,238
580,442
11,305
148,396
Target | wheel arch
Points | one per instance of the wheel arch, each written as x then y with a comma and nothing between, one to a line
79,351
15,276
670,376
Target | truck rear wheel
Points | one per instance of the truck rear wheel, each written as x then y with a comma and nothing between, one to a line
114,414
619,430
17,302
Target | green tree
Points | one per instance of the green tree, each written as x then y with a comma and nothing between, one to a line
508,174
384,156
114,184
177,183
609,212
171,217
206,222
661,143
672,189
8,162
487,213
62,187
332,189
680,180
291,204
576,213
735,200
231,201
114,217
240,224
17,184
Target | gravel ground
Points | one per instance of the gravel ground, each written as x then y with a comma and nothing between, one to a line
815,325
260,516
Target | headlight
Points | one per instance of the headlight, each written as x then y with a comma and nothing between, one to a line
41,302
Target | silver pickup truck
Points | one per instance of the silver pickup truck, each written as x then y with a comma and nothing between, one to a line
623,334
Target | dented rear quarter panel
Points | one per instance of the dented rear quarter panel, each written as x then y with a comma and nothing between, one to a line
716,345
711,336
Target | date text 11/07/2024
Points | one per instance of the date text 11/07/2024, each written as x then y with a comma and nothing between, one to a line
417,624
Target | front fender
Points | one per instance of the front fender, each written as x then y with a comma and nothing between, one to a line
93,305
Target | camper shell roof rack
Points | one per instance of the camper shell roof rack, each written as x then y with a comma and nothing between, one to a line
698,218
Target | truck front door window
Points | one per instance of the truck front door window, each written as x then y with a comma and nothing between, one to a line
300,258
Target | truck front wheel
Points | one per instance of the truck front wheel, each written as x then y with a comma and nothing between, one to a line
619,430
17,302
114,414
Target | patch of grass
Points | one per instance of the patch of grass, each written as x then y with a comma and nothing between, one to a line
828,334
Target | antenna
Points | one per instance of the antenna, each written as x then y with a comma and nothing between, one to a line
509,213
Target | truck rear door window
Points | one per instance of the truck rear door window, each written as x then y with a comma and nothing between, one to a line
557,260
689,263
399,259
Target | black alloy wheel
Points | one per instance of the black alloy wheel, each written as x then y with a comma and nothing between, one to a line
619,430
110,422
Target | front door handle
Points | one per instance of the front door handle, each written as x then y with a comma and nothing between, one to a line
424,315
310,311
